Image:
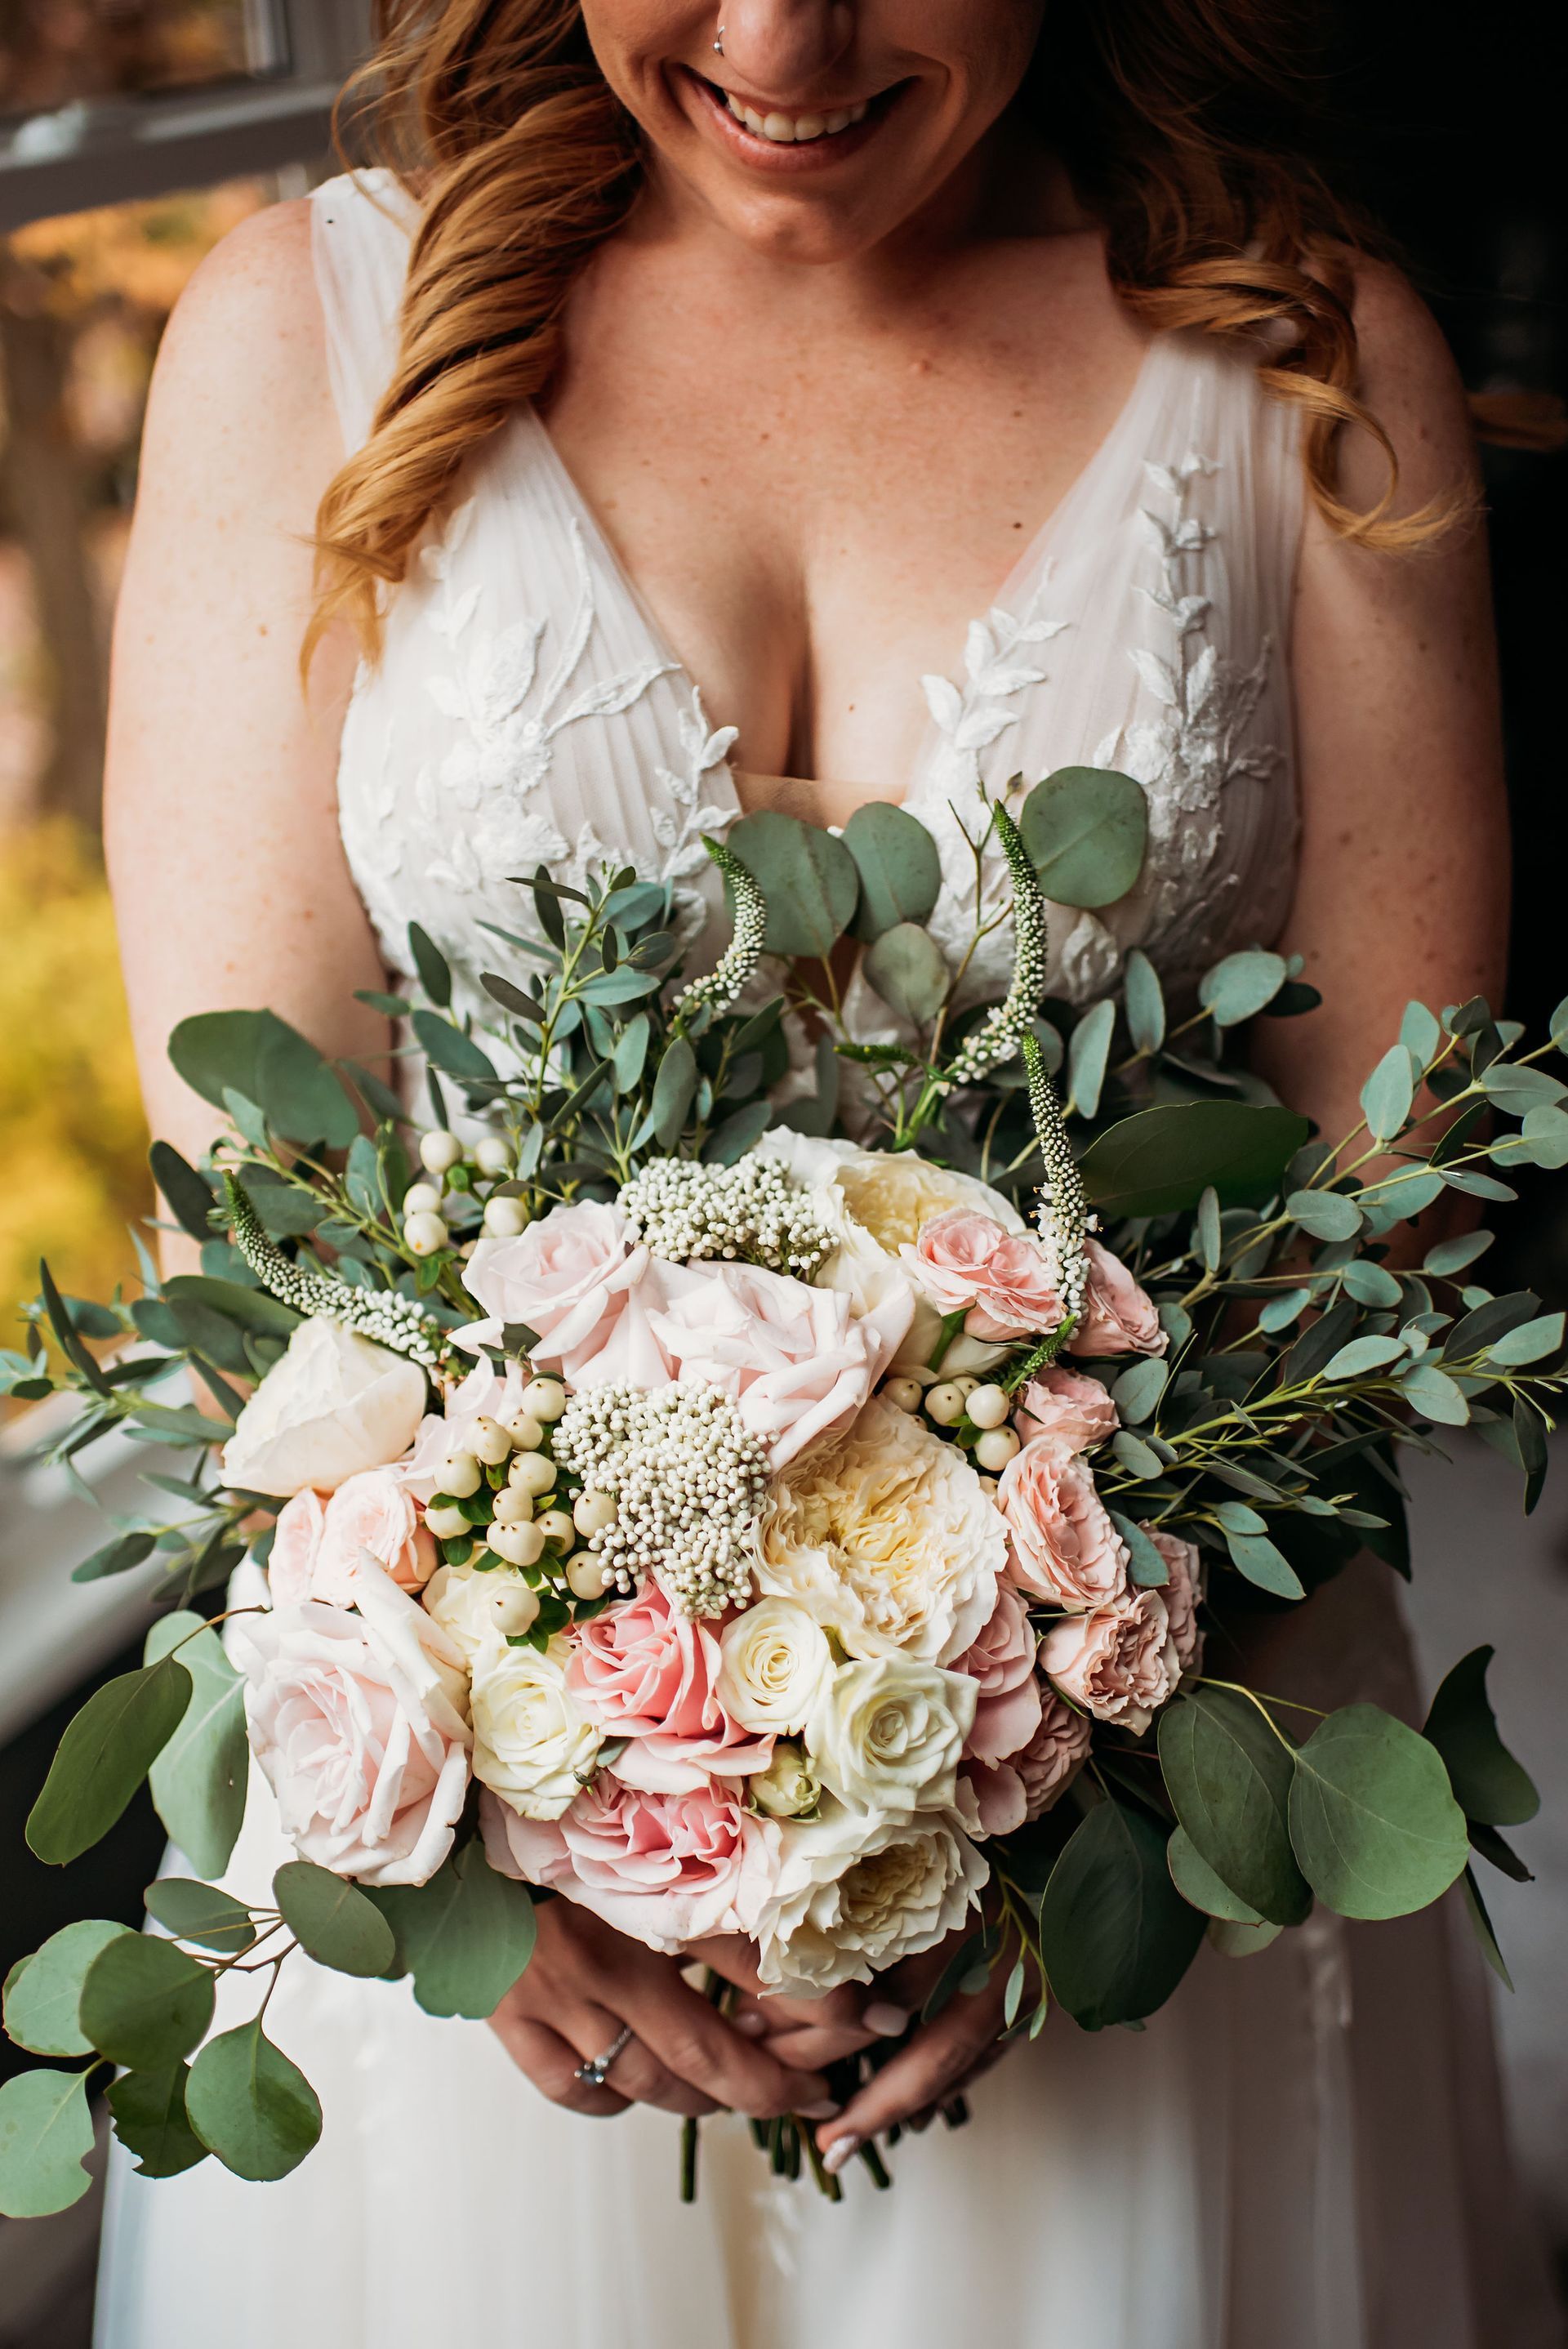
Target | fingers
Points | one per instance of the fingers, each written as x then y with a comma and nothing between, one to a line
636,2072
550,2062
695,2043
810,2034
939,2057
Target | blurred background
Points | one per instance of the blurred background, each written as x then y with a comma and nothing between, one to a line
133,135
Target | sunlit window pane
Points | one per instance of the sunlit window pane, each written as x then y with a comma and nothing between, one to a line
54,52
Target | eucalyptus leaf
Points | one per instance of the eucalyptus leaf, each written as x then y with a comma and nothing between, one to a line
1116,1935
202,1913
1387,1094
1237,1941
449,1048
332,1920
1197,1883
739,1133
198,1779
43,1992
260,1056
631,1053
1149,1570
435,971
1242,986
1531,1342
465,1937
673,1090
1434,1394
908,970
250,2106
117,1556
103,1757
189,1195
1161,1161
149,2121
1362,1355
1370,1284
1088,1050
809,879
1229,1775
1373,1822
1326,1215
1086,830
900,870
1263,1563
1137,1391
1487,1782
46,2136
1420,1034
145,2002
1144,1000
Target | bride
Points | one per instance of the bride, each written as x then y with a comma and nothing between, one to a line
840,399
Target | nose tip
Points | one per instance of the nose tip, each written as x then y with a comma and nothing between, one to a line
783,48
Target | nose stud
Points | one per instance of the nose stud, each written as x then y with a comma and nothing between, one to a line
718,45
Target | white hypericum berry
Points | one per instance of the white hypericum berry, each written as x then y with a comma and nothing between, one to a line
448,1525
989,1406
557,1526
591,1513
493,1155
425,1234
504,1218
526,1431
965,1383
439,1151
994,1449
944,1402
514,1608
512,1506
587,1577
489,1441
531,1473
458,1474
422,1199
545,1398
903,1393
518,1545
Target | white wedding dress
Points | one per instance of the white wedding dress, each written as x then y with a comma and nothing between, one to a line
1302,2150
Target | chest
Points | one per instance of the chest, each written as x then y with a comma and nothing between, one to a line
815,495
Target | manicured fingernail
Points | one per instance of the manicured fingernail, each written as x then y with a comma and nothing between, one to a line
842,2149
889,2022
751,2025
822,2112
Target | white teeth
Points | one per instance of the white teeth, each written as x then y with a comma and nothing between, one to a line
782,129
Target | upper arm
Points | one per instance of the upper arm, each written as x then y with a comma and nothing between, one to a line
1403,879
220,815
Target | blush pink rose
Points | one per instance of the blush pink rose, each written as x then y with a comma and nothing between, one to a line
1184,1588
318,1555
648,1672
1068,1404
1002,1662
799,1362
666,1868
566,1277
1118,1663
1009,1793
1118,1317
359,1721
1062,1544
1007,1280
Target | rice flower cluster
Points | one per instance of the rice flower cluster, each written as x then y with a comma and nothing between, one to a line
688,1212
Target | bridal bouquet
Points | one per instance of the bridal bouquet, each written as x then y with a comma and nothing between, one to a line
820,1515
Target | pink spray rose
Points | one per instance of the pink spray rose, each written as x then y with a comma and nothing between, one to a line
359,1721
567,1277
1117,1318
1068,1404
1002,1660
665,1869
1007,1280
1063,1545
797,1360
317,1551
1118,1663
1009,1793
1182,1593
648,1672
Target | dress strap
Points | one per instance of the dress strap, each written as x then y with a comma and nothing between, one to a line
360,227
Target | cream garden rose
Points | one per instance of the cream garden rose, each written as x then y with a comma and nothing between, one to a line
534,1744
839,1898
334,1405
774,1660
887,1735
883,1534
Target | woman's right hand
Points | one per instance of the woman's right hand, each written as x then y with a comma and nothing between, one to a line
585,1984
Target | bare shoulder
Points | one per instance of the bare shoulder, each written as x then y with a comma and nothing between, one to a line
1412,385
241,376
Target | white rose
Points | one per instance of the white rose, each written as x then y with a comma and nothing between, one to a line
333,1406
461,1599
773,1660
842,1898
888,1735
883,1534
534,1744
788,1787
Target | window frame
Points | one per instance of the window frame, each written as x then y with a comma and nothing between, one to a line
104,151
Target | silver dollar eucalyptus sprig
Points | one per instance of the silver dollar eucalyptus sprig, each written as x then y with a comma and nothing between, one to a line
380,1314
721,987
1000,1035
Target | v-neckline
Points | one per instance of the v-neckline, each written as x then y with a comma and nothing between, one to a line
1031,560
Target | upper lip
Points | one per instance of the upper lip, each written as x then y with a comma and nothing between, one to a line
791,106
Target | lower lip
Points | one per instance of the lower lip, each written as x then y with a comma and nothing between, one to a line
786,159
